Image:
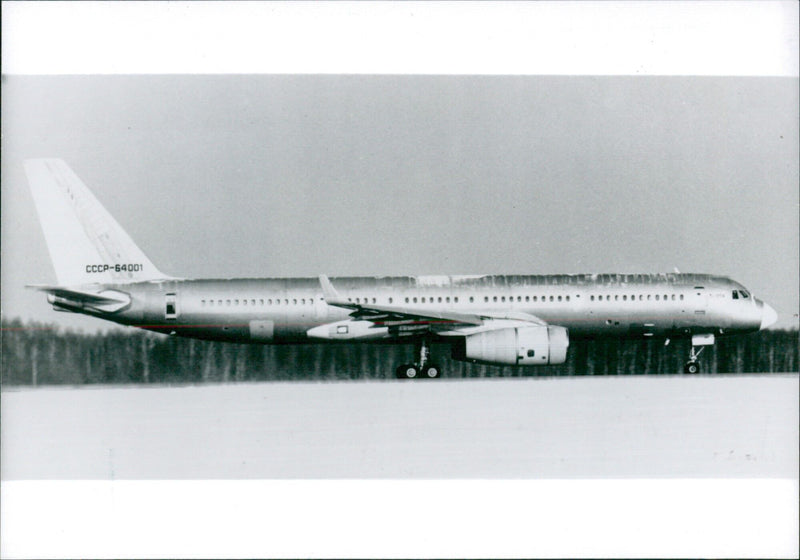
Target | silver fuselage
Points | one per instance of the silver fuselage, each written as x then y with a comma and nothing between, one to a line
283,310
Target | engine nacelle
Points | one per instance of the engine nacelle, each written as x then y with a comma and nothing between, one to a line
515,346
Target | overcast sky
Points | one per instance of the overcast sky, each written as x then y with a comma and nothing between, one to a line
231,176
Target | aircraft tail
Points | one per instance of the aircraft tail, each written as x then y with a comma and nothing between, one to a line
85,242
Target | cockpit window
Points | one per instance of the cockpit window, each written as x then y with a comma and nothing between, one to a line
745,295
735,294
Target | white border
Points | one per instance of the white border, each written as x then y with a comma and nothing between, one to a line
633,518
405,519
553,38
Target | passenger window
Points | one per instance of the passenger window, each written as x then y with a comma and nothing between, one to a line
455,299
406,300
503,298
471,299
616,298
211,302
486,299
447,299
390,300
681,297
657,297
244,302
415,300
625,298
551,298
494,298
591,298
527,298
535,298
559,298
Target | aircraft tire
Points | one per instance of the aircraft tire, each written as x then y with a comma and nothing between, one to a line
407,371
432,371
691,367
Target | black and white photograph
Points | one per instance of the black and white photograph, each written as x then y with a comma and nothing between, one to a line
400,279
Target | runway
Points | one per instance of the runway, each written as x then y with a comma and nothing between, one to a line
537,428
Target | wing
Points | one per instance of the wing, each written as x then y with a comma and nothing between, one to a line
445,322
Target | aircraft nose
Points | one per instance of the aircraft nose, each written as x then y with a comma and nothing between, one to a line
768,315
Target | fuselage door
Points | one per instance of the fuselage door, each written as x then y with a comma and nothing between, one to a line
170,307
699,299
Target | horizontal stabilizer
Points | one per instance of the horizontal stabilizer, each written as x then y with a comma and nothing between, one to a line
106,300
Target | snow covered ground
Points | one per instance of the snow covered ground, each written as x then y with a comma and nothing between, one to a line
561,467
535,428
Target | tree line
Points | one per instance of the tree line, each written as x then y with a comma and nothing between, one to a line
42,354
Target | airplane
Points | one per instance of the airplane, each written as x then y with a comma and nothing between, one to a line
491,319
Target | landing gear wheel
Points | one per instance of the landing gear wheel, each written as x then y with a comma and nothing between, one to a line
691,367
432,372
406,371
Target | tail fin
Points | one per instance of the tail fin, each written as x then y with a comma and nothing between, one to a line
86,244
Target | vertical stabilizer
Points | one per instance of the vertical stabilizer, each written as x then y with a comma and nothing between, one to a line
86,243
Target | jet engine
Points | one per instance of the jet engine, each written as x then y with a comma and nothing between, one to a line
537,345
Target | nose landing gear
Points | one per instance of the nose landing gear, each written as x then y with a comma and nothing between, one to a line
423,369
692,366
701,340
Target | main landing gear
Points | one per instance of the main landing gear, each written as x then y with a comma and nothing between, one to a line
424,369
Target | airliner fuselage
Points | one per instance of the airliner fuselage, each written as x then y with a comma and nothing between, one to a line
284,310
